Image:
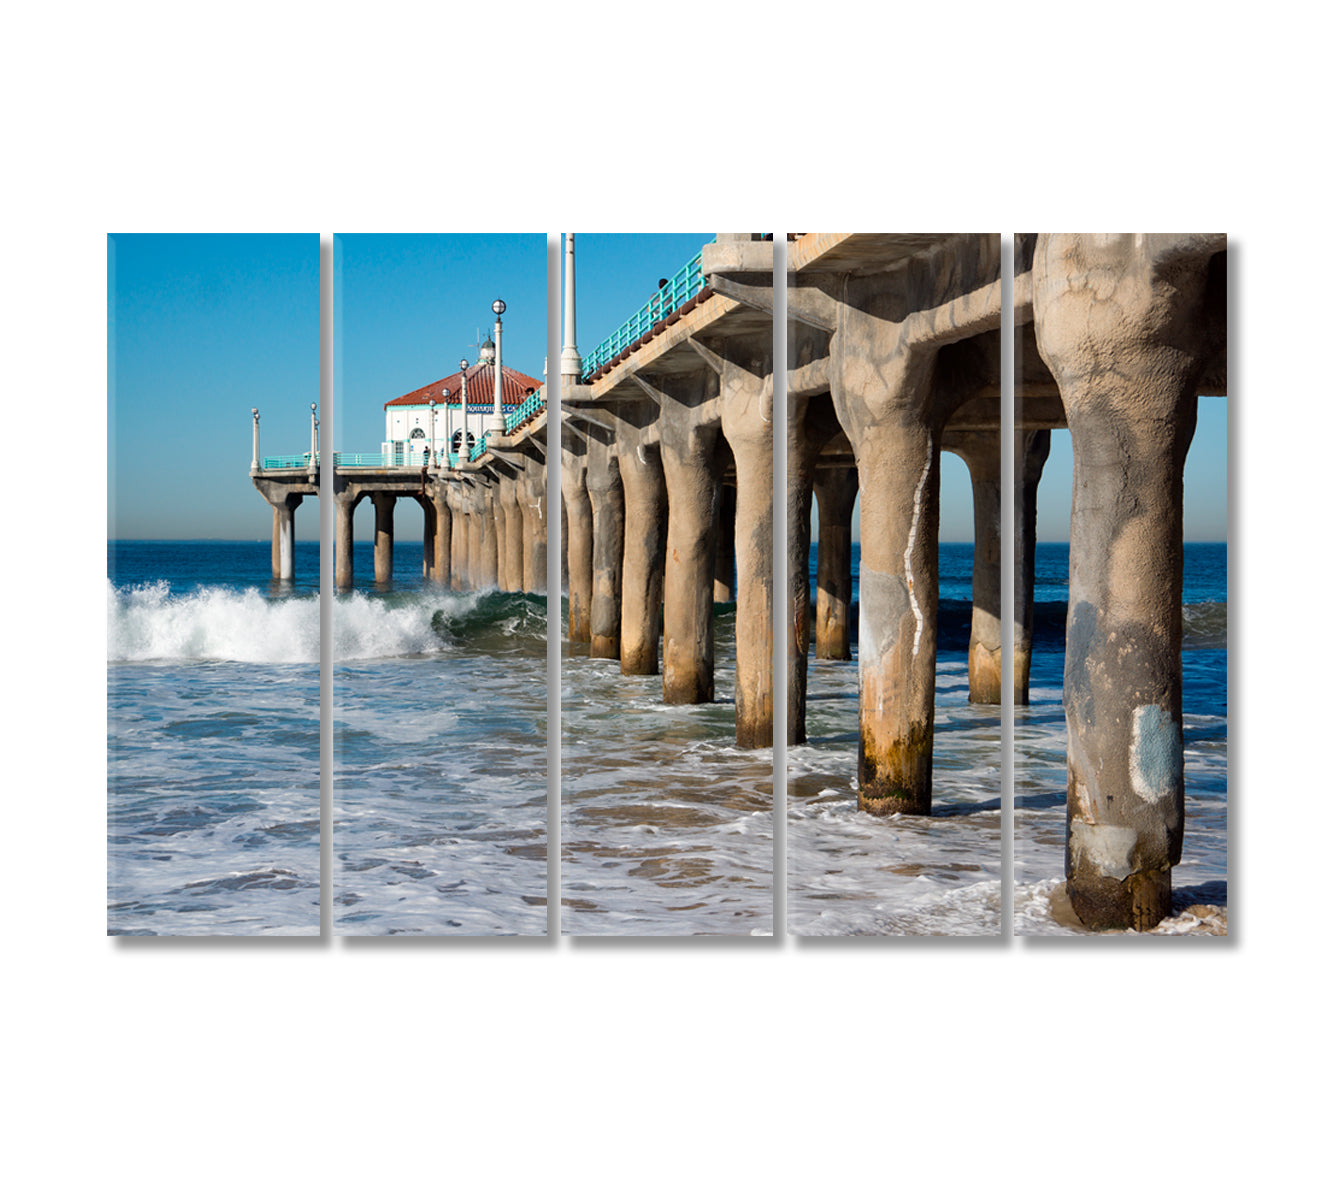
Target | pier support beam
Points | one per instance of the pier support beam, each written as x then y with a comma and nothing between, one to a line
513,549
578,532
689,429
746,403
1031,450
458,538
1127,326
835,493
487,539
607,501
899,472
802,452
724,571
645,490
384,537
472,504
442,529
981,452
284,537
533,498
428,535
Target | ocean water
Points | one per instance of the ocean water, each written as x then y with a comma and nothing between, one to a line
1199,883
213,752
666,827
852,873
849,873
439,774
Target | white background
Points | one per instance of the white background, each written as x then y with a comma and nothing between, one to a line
764,1068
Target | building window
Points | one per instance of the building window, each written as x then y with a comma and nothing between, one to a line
418,432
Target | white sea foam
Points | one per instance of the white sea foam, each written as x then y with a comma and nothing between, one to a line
148,623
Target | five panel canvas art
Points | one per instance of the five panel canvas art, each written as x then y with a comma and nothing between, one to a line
921,512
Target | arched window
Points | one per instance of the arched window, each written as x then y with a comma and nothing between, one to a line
419,432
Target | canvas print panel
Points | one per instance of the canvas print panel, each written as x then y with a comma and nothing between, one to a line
1121,574
667,644
213,633
439,672
893,467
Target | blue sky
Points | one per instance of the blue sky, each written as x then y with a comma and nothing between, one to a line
408,307
201,328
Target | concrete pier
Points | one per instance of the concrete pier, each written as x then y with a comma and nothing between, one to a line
1132,327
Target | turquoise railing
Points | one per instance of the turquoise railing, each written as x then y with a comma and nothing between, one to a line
401,459
479,447
529,408
288,462
687,283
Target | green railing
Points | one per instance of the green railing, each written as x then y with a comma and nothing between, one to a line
288,462
527,410
401,459
479,447
687,283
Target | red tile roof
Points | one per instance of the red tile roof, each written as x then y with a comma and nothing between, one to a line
515,385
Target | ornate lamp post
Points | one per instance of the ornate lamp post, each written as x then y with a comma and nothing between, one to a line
313,468
463,440
497,426
254,456
430,441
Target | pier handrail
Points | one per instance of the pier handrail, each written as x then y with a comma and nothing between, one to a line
686,284
288,462
525,412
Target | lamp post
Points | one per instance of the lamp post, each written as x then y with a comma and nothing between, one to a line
313,469
430,441
571,365
497,426
254,454
444,458
463,440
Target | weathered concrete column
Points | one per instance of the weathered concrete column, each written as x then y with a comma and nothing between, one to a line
803,449
458,538
509,501
645,491
746,395
345,504
498,522
1031,450
284,536
533,497
384,536
689,426
607,501
474,524
443,529
488,543
1127,326
428,536
836,494
898,466
893,332
578,532
724,570
981,452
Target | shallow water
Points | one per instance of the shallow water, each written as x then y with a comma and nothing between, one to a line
440,799
213,755
666,826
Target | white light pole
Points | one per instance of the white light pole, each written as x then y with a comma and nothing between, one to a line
497,426
314,444
444,458
463,439
254,454
570,362
430,443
